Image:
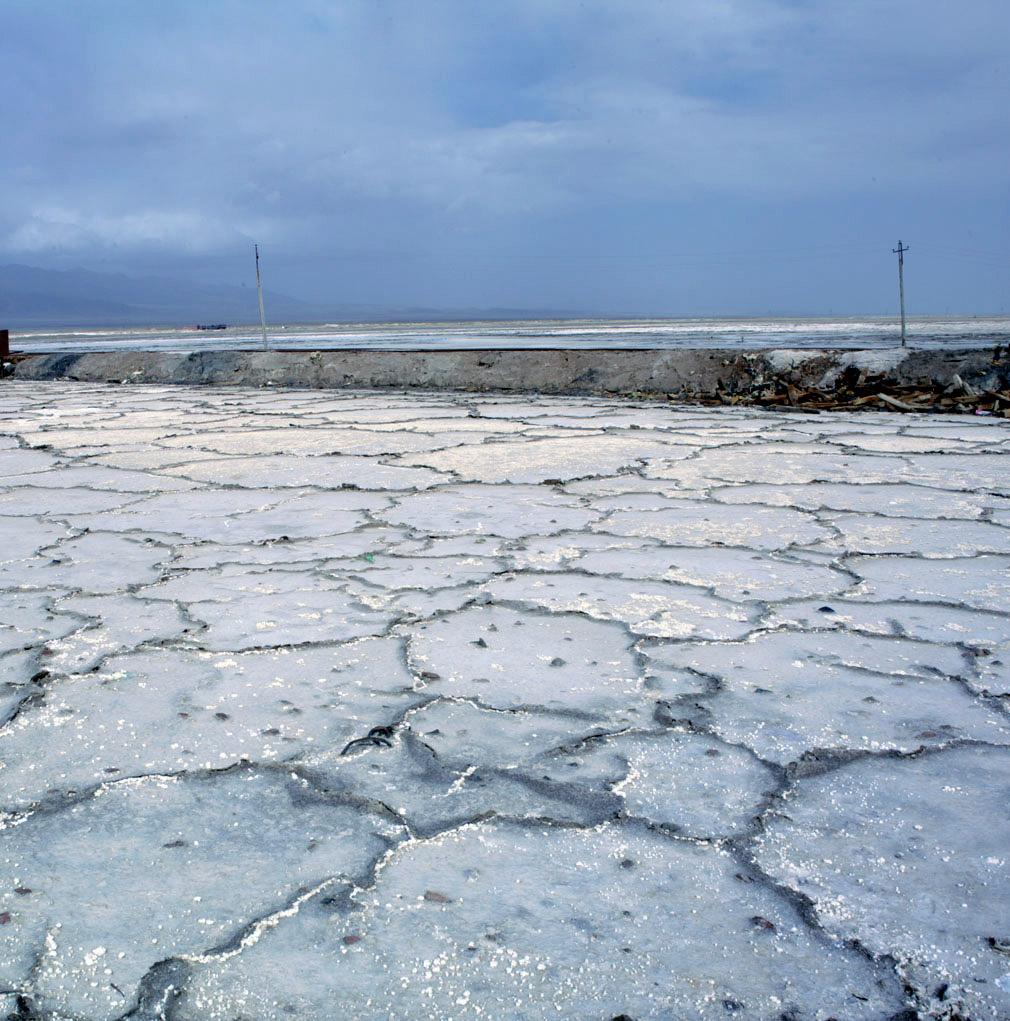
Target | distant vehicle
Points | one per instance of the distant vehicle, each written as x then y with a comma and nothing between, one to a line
212,326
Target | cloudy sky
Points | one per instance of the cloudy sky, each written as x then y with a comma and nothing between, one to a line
629,156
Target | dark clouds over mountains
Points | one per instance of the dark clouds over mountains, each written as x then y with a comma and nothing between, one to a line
642,156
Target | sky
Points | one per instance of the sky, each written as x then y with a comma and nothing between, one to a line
632,157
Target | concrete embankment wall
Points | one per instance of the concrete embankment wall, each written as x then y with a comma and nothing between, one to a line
544,370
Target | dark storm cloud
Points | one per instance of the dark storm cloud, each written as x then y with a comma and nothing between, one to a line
522,152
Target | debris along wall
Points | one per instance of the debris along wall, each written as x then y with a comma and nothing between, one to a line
729,375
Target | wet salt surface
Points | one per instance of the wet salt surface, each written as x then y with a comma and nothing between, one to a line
324,705
868,332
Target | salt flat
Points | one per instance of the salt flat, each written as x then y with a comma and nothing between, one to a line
395,705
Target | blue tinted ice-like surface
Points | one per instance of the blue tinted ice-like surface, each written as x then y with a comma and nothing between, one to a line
693,523
152,869
31,617
979,581
325,471
855,533
783,694
926,622
515,709
236,516
244,608
510,659
156,712
646,607
92,562
523,921
20,543
534,460
888,499
511,511
60,503
912,858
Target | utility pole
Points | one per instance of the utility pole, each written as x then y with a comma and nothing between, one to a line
900,251
259,291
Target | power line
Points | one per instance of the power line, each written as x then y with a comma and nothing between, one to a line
949,249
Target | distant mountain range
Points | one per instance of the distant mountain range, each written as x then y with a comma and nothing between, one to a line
32,298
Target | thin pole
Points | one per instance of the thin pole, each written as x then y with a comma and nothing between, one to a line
900,250
259,291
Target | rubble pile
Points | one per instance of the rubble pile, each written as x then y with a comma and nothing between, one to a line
858,388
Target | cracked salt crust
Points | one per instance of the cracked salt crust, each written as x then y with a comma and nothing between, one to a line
305,731
888,499
536,922
785,694
509,512
857,533
323,471
740,575
646,607
917,869
173,841
534,460
978,581
921,621
693,523
304,441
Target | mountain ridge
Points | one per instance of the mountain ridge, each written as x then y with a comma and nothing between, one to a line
30,296
34,298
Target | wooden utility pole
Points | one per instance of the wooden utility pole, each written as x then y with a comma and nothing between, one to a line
900,251
259,291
